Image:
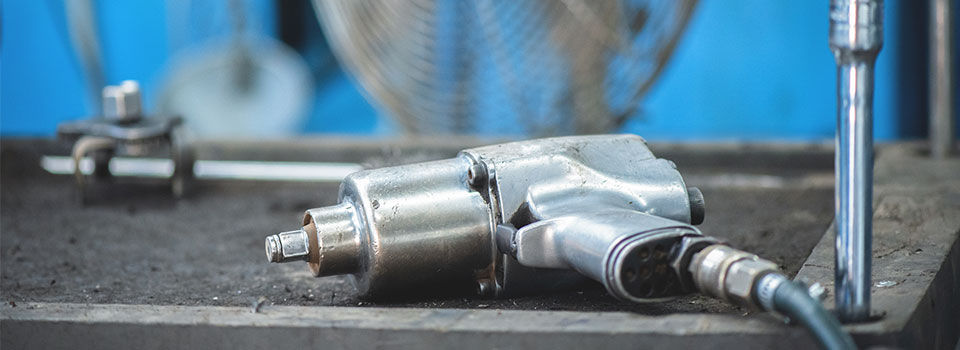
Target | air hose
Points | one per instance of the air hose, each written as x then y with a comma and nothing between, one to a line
789,298
745,279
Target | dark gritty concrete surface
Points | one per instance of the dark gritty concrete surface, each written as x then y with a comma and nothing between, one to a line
759,198
134,244
916,253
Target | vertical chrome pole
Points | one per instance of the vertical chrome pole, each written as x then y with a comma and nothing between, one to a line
856,36
942,137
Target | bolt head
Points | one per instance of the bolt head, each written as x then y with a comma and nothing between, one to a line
122,102
273,249
476,174
817,291
486,288
288,246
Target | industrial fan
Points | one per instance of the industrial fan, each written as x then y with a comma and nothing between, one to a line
499,66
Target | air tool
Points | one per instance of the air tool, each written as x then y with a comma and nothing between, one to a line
534,216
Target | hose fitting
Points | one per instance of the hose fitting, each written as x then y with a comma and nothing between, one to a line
730,274
745,279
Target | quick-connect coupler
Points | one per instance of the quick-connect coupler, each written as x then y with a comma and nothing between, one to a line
747,280
614,211
732,275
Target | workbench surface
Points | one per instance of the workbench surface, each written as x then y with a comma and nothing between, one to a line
135,244
137,268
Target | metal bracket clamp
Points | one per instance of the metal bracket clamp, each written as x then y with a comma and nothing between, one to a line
123,129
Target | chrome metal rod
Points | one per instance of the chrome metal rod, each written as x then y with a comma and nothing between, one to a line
855,38
942,117
208,169
854,192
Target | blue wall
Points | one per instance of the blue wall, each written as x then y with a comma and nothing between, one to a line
42,82
762,70
745,70
749,70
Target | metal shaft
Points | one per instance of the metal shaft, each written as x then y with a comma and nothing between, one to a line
855,38
942,137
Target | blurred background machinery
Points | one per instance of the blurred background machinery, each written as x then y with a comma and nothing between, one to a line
536,68
742,70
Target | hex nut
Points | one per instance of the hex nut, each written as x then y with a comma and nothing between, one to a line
742,276
709,268
122,102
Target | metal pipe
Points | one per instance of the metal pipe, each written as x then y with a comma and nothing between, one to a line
942,120
856,36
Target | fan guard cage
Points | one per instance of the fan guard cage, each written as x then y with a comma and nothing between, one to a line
504,66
